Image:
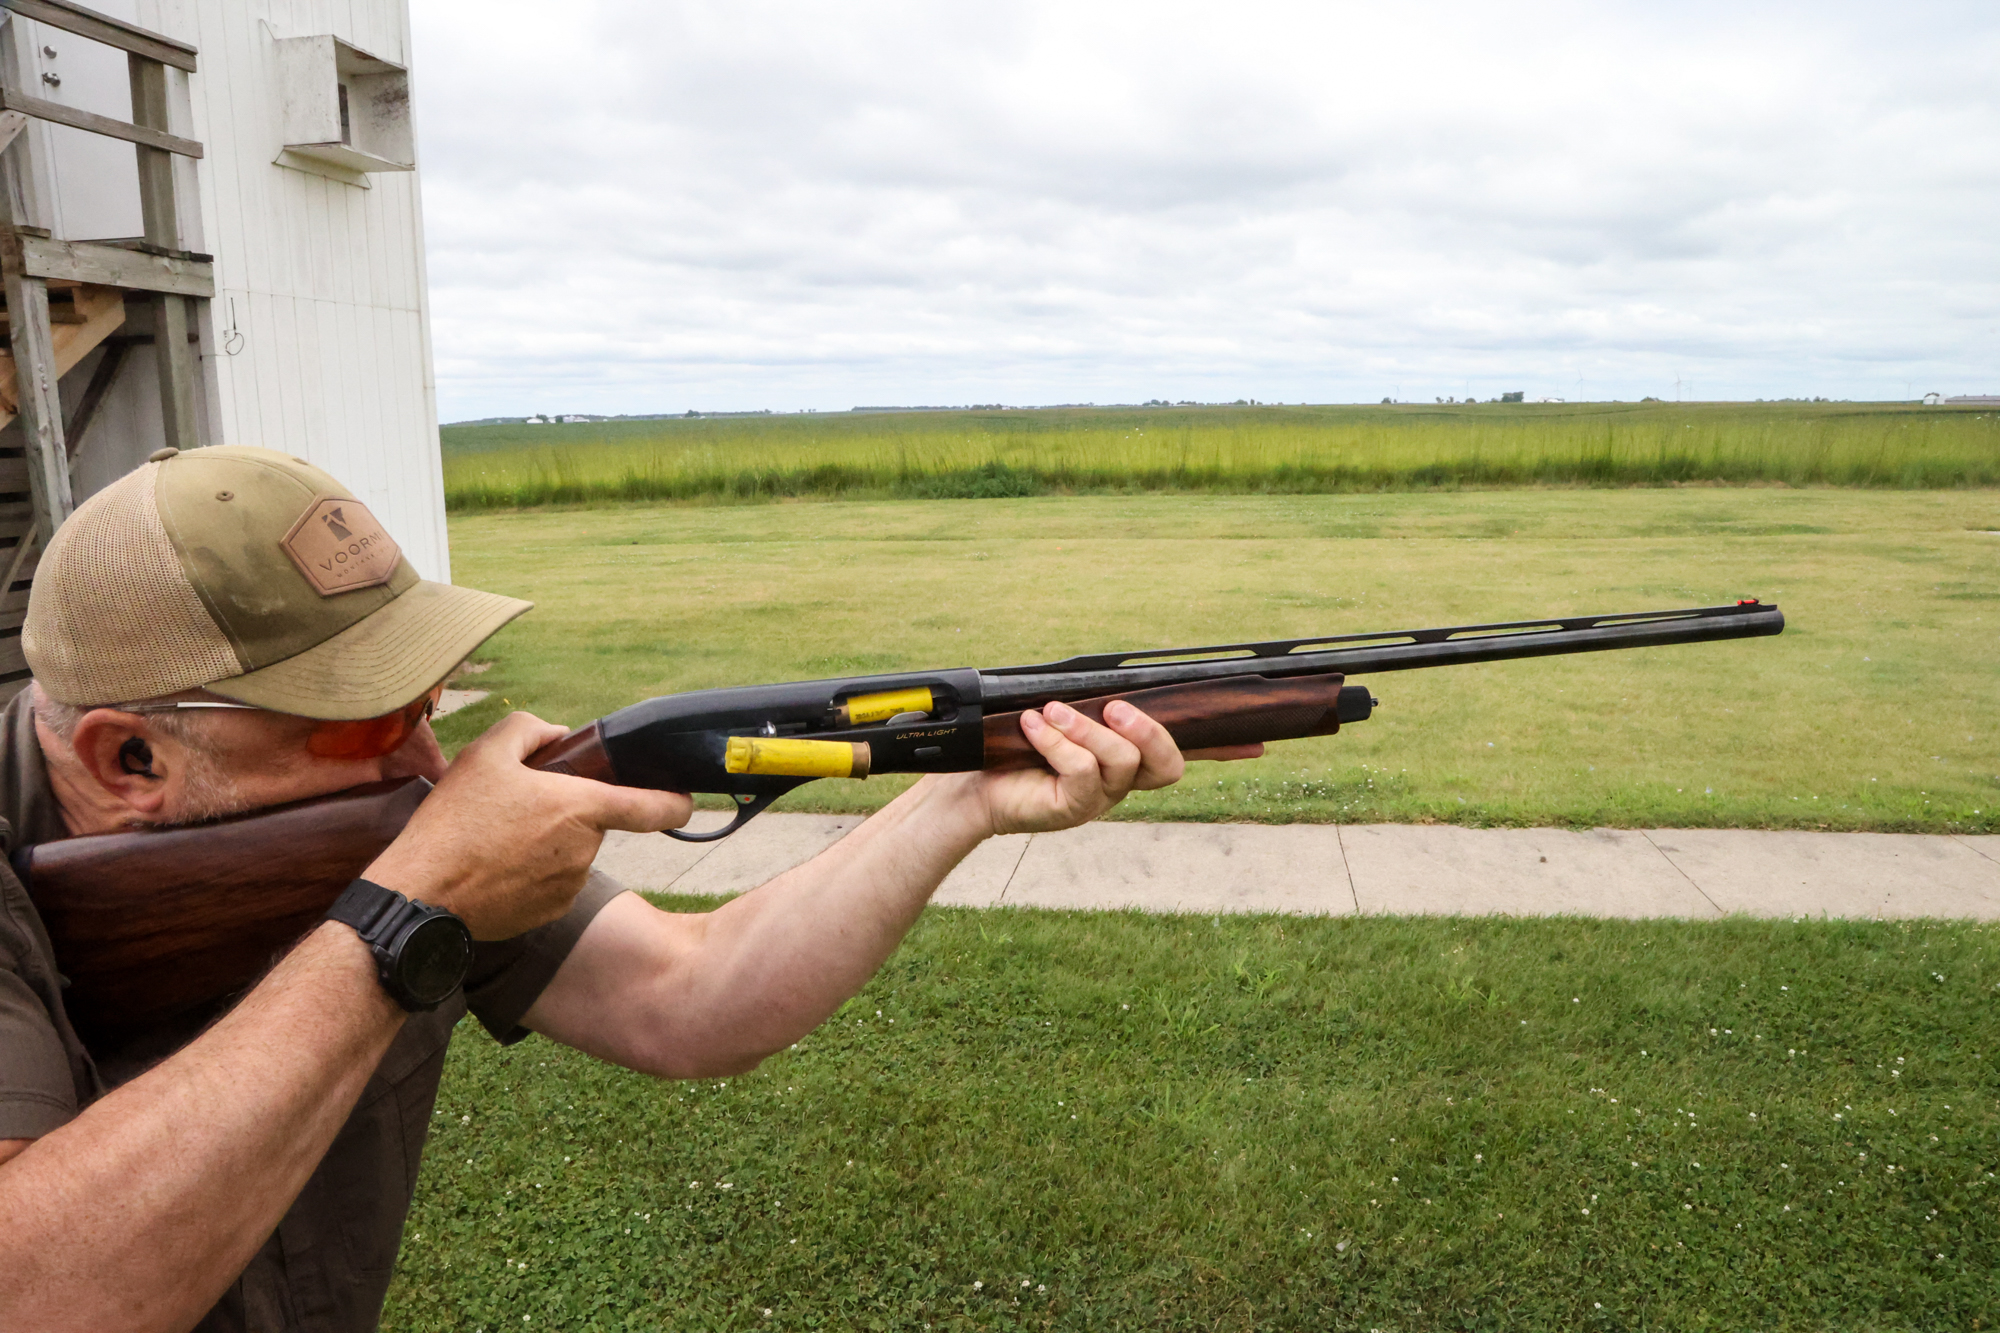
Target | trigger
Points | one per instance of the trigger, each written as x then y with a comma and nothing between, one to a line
747,809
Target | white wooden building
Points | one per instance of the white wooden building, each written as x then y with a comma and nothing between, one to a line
214,236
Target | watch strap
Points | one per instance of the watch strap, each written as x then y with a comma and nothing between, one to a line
373,911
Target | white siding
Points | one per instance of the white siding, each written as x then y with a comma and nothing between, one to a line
323,280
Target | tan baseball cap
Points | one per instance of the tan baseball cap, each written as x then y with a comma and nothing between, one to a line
251,574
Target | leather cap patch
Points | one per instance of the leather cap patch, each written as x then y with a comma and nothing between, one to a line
339,546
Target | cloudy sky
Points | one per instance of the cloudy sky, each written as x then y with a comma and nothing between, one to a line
650,206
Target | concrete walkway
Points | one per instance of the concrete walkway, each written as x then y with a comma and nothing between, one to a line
1329,870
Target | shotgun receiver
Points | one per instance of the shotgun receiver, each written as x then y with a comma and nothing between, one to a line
155,926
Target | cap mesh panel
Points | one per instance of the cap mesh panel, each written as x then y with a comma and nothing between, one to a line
112,617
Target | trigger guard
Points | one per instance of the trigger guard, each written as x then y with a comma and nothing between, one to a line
747,809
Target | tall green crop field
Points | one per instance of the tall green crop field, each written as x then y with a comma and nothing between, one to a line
1241,450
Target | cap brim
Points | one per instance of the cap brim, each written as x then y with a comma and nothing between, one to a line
377,665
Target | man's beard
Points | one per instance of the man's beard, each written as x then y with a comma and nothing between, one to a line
206,791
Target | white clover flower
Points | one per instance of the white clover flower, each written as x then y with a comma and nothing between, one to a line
979,1286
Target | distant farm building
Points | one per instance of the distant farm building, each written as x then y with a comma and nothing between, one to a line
1974,400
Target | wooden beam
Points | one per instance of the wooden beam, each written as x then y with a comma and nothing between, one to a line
11,124
101,380
22,550
117,266
12,99
160,220
171,318
37,387
32,344
175,356
104,28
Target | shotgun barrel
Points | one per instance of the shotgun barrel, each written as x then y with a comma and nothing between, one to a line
1366,654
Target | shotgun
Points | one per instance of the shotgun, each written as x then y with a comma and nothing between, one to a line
221,900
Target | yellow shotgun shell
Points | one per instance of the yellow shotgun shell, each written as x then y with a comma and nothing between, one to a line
865,708
782,757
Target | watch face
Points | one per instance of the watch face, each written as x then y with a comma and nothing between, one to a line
433,960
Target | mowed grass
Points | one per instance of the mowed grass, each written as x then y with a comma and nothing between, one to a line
1075,1121
1243,449
1876,709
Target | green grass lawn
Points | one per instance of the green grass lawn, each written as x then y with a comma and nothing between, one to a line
1114,1121
1877,709
1230,449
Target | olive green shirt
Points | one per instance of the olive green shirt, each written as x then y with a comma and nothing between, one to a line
326,1268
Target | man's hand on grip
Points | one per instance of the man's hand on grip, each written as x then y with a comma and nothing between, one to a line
507,847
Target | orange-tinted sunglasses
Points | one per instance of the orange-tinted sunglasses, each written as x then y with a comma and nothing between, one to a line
372,737
362,738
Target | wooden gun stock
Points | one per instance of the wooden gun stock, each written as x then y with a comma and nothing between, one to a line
152,926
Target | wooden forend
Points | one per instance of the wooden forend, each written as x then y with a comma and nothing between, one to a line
1242,710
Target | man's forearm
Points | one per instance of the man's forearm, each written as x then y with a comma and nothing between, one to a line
815,934
139,1213
771,965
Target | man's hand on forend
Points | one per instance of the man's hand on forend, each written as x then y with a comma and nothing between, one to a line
1095,766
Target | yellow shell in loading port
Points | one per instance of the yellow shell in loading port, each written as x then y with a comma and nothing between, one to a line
779,756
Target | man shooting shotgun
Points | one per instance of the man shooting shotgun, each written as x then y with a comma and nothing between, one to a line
228,631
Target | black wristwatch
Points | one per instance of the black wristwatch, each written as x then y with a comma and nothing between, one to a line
422,953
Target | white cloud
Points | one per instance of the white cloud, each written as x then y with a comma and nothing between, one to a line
646,206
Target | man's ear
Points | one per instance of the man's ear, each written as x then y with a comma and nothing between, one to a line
123,756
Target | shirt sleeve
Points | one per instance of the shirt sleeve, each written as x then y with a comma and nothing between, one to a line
37,1082
508,976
